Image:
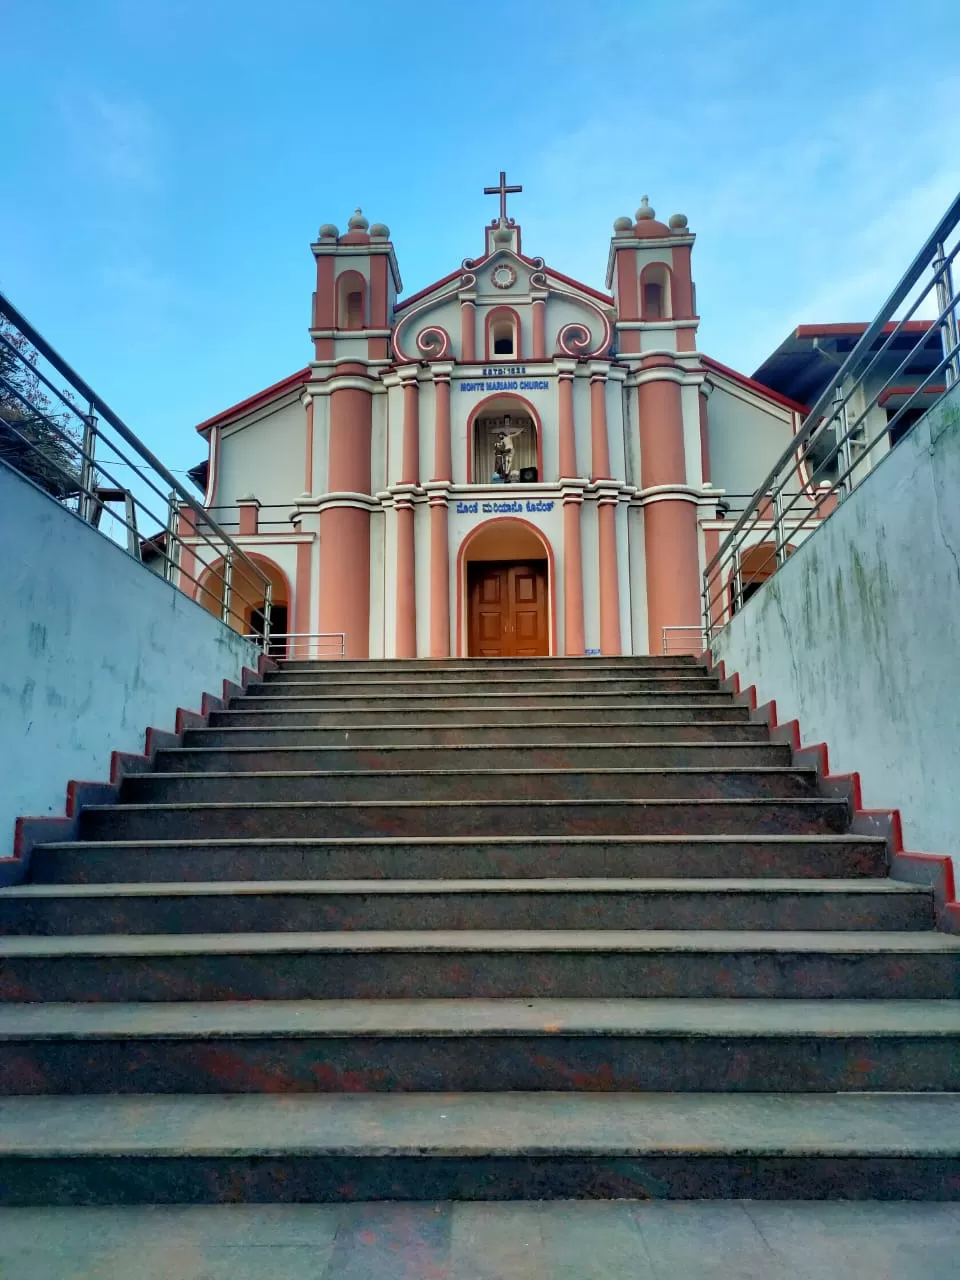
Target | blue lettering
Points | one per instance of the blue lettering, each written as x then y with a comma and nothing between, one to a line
466,508
540,506
487,508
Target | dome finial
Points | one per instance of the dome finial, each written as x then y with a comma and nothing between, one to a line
645,211
357,221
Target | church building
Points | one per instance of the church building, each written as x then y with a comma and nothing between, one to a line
507,462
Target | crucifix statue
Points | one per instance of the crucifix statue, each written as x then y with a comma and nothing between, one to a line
502,191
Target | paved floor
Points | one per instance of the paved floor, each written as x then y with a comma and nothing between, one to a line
561,1240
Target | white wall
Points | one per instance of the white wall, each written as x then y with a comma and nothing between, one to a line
94,649
856,636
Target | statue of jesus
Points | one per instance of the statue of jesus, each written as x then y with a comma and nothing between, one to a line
503,450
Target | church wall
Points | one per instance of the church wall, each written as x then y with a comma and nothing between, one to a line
590,541
391,460
614,401
563,310
581,418
321,444
378,444
692,452
638,578
265,457
623,574
746,439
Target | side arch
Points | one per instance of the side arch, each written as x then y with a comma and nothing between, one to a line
246,596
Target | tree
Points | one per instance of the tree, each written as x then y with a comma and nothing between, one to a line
30,418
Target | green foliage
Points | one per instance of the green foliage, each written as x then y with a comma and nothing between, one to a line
29,419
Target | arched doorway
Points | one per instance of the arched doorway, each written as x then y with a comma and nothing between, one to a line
247,599
506,590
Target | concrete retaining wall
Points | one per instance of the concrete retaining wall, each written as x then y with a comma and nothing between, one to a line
858,635
93,647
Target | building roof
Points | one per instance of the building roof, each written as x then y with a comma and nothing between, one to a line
256,401
805,361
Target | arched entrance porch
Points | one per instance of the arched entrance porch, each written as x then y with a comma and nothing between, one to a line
506,604
246,599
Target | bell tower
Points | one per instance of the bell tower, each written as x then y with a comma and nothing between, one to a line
649,273
357,285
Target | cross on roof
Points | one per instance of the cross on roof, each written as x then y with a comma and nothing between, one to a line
502,191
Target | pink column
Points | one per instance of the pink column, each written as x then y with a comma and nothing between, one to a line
670,523
598,427
439,533
406,643
406,581
345,531
609,577
573,636
565,428
539,329
468,332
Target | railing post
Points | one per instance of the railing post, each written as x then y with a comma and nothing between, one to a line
707,620
845,485
948,327
737,603
267,609
779,531
227,584
87,469
171,542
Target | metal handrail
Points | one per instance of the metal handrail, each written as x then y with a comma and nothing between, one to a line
93,497
278,644
810,498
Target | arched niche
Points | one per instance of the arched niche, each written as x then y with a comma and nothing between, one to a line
504,442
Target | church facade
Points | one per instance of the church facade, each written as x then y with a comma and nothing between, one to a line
508,462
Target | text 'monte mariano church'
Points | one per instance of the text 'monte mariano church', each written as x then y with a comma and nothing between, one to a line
507,462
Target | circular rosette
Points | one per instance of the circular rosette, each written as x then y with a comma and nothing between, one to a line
503,276
433,343
574,339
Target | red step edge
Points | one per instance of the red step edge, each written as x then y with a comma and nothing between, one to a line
31,831
932,869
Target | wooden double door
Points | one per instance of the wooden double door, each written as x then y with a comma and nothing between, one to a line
507,610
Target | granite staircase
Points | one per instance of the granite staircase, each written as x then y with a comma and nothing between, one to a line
475,930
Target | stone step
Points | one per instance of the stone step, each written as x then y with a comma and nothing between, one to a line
482,786
445,733
268,858
416,819
478,1146
565,723
583,903
503,689
522,755
395,1046
437,701
490,668
482,964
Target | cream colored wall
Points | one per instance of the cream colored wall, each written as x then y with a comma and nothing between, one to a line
263,456
746,439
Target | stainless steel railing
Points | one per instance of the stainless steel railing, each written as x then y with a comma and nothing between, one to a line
301,645
834,450
56,431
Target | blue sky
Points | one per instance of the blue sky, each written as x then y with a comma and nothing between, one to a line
170,163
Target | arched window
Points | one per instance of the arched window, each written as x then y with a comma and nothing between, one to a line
351,300
655,292
503,335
